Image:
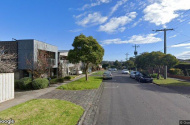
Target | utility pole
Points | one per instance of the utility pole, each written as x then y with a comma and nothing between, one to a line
127,54
165,48
136,53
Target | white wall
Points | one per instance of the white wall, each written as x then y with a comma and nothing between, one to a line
6,86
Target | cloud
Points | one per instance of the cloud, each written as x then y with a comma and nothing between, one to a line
136,23
98,2
162,12
117,23
184,55
135,39
118,4
92,19
173,36
181,45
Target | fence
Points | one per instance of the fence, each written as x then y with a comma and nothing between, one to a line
179,77
6,86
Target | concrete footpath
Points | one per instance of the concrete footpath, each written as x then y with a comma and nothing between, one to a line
88,99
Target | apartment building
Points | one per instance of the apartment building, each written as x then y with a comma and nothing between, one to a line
29,49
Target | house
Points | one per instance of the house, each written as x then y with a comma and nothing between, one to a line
29,49
65,67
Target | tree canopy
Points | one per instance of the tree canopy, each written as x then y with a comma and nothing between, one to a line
86,50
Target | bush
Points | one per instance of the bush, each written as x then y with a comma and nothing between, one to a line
17,84
155,75
57,80
40,83
25,83
53,77
67,78
176,71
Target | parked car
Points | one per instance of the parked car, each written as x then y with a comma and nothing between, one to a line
107,75
132,74
145,78
114,69
125,71
138,75
75,72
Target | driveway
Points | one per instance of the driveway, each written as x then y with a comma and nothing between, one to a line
127,102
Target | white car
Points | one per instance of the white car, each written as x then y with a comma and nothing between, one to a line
74,72
125,71
107,75
132,75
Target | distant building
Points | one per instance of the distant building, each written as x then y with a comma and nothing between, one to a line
29,49
65,67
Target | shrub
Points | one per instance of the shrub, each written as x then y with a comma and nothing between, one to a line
40,83
53,81
67,78
17,84
176,71
53,77
155,75
25,83
57,80
60,80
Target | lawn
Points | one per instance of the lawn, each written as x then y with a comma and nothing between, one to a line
93,82
171,82
44,112
99,73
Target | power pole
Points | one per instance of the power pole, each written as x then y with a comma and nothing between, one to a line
127,54
136,53
165,48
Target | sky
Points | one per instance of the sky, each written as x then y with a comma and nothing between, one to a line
116,24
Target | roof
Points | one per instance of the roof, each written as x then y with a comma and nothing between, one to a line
63,51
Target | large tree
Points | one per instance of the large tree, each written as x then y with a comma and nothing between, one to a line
155,60
86,50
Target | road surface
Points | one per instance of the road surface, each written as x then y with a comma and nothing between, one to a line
127,102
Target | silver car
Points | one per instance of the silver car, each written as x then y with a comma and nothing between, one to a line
132,74
107,75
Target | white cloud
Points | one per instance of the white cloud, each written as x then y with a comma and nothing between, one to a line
173,36
117,23
135,39
184,55
98,2
92,19
136,23
162,12
118,4
181,45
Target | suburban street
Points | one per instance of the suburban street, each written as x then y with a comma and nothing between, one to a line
127,102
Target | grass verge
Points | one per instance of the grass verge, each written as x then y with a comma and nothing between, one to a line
98,73
81,84
44,112
170,81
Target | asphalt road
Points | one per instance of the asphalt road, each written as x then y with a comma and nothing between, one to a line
127,102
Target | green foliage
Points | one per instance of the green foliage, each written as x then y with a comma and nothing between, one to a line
130,64
94,82
105,65
56,80
86,50
16,84
40,83
176,71
67,78
155,75
25,83
184,67
173,82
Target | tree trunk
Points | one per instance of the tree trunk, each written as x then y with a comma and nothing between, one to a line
158,76
86,71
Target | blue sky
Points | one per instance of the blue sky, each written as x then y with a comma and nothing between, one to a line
116,24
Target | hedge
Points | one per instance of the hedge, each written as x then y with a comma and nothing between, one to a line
40,83
57,80
25,83
67,78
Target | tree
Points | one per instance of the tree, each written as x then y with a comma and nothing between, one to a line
42,66
86,50
105,65
155,60
7,61
130,64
